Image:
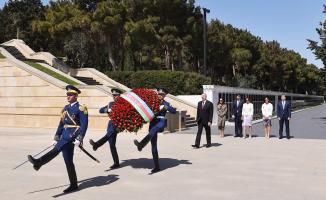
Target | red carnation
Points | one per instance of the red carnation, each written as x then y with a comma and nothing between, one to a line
124,114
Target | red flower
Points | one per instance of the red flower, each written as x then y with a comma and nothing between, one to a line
125,117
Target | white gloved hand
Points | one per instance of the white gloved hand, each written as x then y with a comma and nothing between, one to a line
161,107
78,142
109,110
54,142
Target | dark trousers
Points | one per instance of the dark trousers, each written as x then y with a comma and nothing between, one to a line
287,127
200,130
238,126
154,144
113,148
68,156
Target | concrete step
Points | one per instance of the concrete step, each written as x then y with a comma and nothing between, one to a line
87,80
190,118
191,125
191,122
14,52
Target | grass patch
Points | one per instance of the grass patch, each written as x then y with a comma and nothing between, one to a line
2,56
51,73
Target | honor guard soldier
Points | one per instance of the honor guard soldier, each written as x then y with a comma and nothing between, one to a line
111,133
71,131
156,125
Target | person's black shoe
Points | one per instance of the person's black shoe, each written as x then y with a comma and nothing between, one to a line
280,138
36,166
138,145
71,188
195,146
115,166
208,145
91,142
155,170
288,138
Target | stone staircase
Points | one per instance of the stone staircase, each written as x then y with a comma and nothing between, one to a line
100,83
190,121
87,80
18,55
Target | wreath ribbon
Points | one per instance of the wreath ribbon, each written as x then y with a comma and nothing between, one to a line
141,107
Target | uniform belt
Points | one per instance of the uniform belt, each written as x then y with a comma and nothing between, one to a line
160,117
70,126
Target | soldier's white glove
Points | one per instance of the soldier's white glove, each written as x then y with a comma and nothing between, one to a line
78,143
161,107
109,110
54,142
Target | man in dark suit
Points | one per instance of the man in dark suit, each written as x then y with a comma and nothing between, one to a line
236,115
284,116
204,119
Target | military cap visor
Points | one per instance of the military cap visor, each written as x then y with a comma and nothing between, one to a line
115,91
162,91
72,90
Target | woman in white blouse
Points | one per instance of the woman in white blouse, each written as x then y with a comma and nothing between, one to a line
247,115
267,111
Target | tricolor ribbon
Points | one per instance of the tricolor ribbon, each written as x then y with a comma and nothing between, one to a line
141,107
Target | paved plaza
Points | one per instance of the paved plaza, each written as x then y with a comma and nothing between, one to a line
234,168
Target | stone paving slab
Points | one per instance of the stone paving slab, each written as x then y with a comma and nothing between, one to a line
232,169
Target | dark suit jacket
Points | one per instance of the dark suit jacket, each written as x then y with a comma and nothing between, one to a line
284,113
237,110
205,114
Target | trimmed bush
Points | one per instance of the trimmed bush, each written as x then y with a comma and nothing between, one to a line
177,82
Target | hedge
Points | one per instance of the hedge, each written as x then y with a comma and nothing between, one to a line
177,82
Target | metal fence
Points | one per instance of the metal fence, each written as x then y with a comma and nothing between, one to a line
257,97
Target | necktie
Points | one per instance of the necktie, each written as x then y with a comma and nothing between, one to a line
202,106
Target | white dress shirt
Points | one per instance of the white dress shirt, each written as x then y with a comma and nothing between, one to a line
248,109
267,110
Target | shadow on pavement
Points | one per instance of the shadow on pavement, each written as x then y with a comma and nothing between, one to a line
321,118
148,163
215,145
228,135
97,181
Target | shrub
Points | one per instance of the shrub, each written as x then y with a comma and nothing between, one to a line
177,82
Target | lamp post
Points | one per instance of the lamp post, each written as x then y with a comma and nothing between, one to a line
205,10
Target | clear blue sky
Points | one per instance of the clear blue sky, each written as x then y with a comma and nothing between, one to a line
290,22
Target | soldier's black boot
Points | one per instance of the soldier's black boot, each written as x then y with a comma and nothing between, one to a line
37,163
156,163
140,145
99,143
115,157
72,178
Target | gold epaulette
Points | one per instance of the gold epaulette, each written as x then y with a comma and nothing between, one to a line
83,108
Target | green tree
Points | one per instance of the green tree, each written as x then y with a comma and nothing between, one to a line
320,49
17,17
